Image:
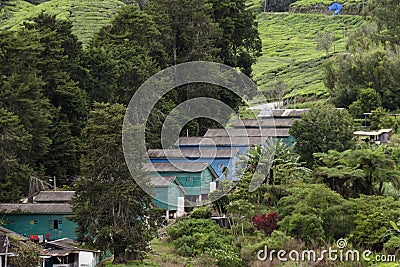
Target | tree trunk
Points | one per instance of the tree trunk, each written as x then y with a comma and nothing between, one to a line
119,254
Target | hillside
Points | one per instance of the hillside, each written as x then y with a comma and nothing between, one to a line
289,46
87,16
289,50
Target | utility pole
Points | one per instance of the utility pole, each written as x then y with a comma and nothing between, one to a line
54,183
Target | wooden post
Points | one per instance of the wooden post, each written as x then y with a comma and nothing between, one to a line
6,243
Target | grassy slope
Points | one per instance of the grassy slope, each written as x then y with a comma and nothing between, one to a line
87,16
289,50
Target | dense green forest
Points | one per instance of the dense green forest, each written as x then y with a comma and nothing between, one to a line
68,74
49,81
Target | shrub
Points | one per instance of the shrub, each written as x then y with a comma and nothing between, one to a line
393,245
372,220
201,213
190,226
193,237
307,227
267,223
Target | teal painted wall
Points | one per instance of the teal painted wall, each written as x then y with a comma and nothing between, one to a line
167,197
38,224
173,194
161,197
191,181
206,179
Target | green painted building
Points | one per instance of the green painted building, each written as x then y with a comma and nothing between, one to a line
193,178
48,218
166,192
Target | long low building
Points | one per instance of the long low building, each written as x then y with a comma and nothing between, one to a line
220,160
46,219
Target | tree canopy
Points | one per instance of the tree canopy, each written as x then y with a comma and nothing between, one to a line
322,129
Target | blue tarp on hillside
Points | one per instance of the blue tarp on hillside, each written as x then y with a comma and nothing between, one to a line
335,7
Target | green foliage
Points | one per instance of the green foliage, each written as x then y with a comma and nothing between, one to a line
13,172
393,245
27,255
367,100
219,257
277,6
87,16
201,213
312,214
283,168
322,129
355,172
306,227
59,69
193,237
110,208
240,43
192,226
372,217
386,14
21,92
324,41
374,69
381,119
129,51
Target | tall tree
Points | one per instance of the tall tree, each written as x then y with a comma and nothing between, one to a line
14,173
322,129
60,69
21,92
109,206
240,43
129,51
386,13
187,29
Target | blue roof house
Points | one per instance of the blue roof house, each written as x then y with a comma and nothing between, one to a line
221,160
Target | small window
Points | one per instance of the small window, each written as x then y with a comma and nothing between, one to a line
55,224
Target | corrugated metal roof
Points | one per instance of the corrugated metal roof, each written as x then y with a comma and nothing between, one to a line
64,245
367,133
64,242
260,123
283,113
175,166
165,181
192,153
35,208
219,141
162,181
53,196
267,132
12,235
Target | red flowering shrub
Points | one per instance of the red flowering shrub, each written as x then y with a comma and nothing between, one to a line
266,222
